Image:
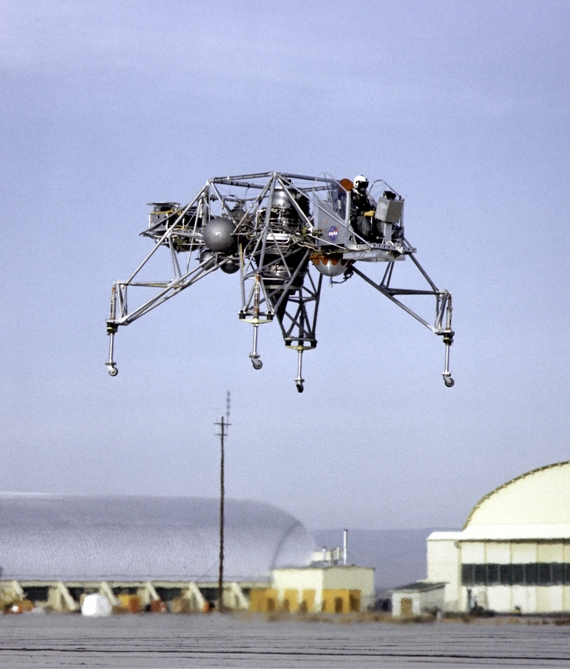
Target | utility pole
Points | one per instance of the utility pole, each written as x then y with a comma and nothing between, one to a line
223,425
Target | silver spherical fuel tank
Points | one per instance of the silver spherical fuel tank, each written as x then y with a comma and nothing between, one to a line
208,258
231,266
219,235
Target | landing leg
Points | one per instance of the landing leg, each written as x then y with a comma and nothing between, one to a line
299,381
449,382
111,330
448,341
111,365
254,355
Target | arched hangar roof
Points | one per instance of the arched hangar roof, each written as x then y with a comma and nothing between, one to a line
64,537
534,505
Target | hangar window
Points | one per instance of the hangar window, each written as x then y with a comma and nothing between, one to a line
479,574
467,577
505,574
557,573
473,574
517,574
544,573
492,574
530,574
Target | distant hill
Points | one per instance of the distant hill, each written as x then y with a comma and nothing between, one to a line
399,556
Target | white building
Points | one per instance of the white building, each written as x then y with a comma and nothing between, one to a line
318,588
513,553
137,551
161,553
418,598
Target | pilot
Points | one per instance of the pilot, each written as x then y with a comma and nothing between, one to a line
362,209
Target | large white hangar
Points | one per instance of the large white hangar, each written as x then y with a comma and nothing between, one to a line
512,555
162,553
53,548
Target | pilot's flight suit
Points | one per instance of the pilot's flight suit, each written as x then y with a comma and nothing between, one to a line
359,204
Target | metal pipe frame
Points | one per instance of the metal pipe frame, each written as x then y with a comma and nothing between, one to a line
442,325
275,216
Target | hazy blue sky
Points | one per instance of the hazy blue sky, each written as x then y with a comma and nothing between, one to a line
462,106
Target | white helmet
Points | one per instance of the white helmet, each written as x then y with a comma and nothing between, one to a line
360,183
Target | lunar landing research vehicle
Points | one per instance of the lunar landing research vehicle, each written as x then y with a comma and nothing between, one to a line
283,234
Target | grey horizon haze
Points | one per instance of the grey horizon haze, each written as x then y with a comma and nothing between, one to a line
462,107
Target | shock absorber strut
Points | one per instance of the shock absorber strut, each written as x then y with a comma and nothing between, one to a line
111,330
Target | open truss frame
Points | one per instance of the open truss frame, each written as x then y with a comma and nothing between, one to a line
288,232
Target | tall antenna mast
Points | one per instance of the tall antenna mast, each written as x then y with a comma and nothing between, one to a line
223,425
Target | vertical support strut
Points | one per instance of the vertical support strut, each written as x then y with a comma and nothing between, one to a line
299,381
111,330
448,341
254,355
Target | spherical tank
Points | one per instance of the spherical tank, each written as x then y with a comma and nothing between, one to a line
231,266
219,235
281,199
208,258
330,265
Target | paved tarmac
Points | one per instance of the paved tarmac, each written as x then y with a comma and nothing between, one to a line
154,640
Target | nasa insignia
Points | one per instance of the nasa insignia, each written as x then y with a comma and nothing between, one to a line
333,232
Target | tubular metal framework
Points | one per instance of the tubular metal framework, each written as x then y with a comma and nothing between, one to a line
283,233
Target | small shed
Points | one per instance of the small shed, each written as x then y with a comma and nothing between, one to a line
417,598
